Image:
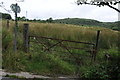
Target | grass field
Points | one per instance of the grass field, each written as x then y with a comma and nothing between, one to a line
55,63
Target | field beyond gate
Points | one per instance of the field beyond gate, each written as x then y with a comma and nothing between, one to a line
49,44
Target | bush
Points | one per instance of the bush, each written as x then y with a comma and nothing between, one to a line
96,72
106,70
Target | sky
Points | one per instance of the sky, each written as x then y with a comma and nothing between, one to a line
59,9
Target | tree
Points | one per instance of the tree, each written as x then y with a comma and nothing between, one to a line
21,18
49,20
5,16
100,3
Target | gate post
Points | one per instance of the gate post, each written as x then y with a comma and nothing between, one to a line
26,37
96,45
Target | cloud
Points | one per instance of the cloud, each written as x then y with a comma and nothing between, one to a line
44,9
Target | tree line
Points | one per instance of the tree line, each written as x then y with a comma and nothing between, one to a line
8,16
5,16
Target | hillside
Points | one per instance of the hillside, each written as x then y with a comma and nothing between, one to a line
87,22
79,21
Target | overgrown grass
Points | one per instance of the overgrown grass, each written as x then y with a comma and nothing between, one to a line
108,37
53,62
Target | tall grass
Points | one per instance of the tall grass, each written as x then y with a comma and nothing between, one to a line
52,62
108,37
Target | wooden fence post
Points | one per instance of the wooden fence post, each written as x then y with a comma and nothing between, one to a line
8,23
97,39
96,45
26,37
15,39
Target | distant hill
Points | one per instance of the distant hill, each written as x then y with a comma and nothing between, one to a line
5,16
78,21
87,22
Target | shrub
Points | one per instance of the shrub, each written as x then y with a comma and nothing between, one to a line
106,70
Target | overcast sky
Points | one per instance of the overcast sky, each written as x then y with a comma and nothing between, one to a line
58,9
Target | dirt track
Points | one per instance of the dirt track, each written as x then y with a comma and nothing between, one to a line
29,76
